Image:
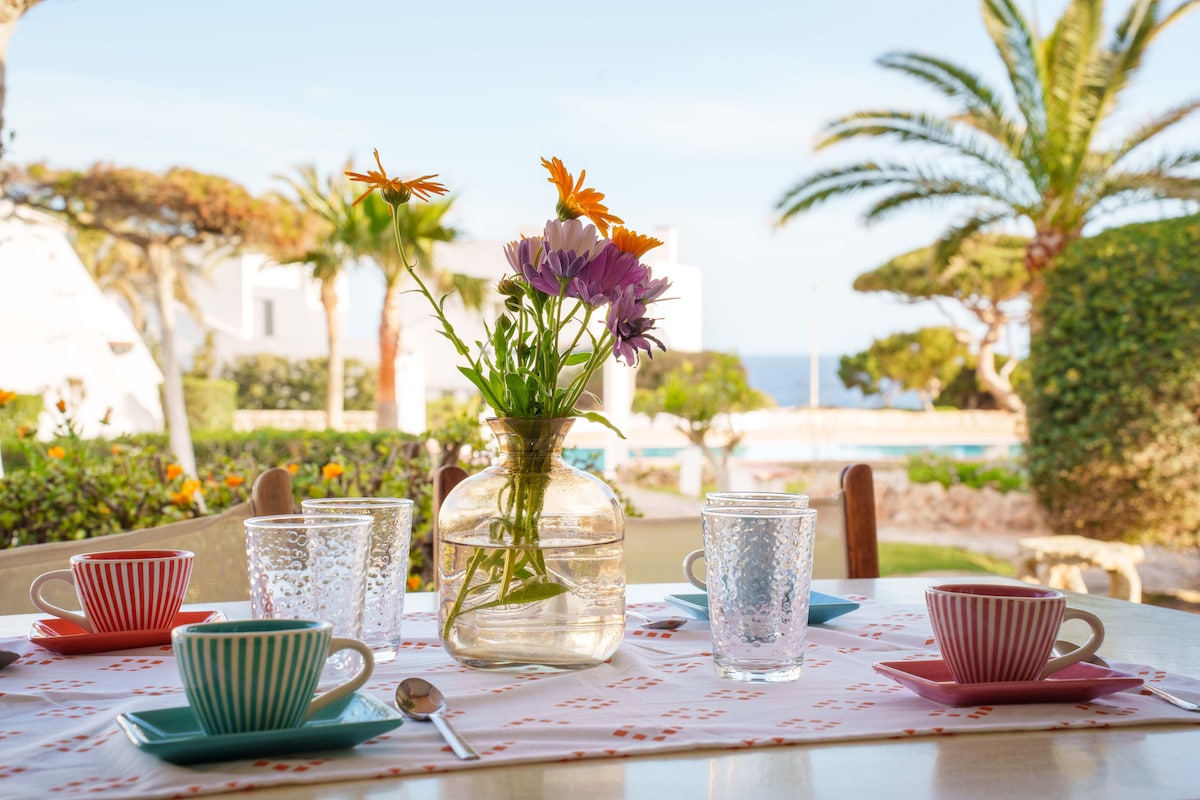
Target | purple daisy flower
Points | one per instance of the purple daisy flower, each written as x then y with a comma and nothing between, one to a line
630,327
608,275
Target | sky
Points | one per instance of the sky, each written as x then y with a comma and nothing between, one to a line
692,114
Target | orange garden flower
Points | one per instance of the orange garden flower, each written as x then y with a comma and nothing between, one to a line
331,471
6,396
414,583
575,201
394,191
56,452
234,481
187,492
116,449
636,244
173,471
293,469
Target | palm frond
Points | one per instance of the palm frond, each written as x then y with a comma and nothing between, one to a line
951,80
1148,130
1016,45
952,241
928,194
907,126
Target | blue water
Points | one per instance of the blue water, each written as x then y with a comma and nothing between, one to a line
786,379
784,452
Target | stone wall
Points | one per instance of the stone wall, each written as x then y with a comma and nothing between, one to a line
931,506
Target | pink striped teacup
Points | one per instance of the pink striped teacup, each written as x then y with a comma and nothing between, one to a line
121,590
991,633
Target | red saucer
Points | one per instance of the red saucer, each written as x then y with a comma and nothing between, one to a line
1077,683
69,639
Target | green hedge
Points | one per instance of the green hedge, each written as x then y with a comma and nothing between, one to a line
210,403
1114,411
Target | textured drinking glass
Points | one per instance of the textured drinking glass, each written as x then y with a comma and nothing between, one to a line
387,564
746,500
759,569
259,675
310,566
758,499
121,590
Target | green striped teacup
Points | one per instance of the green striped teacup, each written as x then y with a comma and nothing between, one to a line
259,675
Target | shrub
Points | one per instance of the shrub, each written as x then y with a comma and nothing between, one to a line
1114,435
928,468
274,382
210,403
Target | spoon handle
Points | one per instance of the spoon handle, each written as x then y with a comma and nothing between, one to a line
1186,705
457,743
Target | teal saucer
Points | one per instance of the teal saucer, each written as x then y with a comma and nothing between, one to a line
174,735
821,607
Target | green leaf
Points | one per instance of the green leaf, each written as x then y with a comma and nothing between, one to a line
597,417
528,593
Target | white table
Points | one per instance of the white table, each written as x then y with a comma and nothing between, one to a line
1142,761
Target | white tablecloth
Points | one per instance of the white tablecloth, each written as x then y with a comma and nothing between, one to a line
659,693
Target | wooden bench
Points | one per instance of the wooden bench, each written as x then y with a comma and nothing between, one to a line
1057,561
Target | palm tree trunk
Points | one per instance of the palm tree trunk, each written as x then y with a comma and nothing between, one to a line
389,345
335,374
179,434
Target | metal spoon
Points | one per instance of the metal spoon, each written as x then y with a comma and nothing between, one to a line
659,624
421,700
1062,648
7,657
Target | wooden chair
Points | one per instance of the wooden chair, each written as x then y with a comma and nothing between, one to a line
219,542
858,510
846,527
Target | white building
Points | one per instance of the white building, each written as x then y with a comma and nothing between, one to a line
61,337
256,307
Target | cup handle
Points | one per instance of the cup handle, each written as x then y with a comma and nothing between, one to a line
343,689
1086,650
688,560
35,595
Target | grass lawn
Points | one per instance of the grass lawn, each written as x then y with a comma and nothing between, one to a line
901,558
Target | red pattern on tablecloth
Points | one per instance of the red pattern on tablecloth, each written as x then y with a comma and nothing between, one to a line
658,693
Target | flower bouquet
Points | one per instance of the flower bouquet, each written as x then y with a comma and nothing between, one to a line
531,549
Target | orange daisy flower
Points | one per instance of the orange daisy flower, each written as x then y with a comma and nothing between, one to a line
575,201
6,395
635,244
293,469
234,481
331,471
173,471
422,187
56,452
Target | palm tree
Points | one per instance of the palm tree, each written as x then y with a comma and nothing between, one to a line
421,226
333,203
1035,158
10,12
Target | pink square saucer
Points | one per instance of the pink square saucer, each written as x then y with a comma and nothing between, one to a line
68,639
1077,683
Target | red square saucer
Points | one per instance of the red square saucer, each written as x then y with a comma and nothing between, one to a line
1077,683
67,638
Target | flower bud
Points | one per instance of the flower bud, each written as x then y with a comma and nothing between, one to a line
395,196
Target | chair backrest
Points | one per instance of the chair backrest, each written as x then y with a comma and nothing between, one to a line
219,542
444,479
858,510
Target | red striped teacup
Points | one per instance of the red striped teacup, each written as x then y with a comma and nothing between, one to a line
121,590
993,633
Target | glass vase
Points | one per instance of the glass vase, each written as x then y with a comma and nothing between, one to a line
531,564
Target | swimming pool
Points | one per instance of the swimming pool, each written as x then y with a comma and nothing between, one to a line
809,451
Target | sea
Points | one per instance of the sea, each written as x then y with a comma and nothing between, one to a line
786,378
